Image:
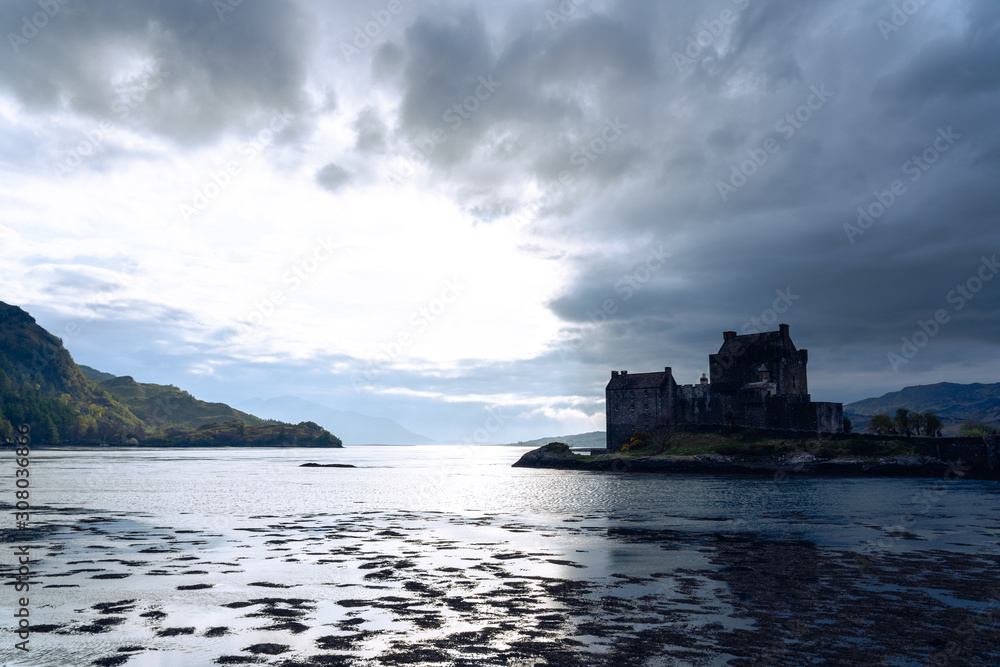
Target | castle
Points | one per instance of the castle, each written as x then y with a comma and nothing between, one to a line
757,381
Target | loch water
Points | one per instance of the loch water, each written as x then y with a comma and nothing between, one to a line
444,555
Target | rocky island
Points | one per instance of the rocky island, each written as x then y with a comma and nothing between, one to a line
761,454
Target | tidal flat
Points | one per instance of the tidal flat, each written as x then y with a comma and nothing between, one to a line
645,571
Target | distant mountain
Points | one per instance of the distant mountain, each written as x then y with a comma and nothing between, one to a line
594,440
353,427
41,385
953,403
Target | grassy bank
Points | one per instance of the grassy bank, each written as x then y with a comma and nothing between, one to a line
754,446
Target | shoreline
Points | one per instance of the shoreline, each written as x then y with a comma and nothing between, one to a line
559,456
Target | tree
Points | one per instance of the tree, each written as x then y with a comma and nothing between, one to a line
880,424
932,424
48,434
902,421
918,423
660,439
84,429
848,425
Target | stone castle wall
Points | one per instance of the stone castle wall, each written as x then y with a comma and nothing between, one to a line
757,381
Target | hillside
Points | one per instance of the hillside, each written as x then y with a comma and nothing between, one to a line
166,405
238,434
953,403
41,385
593,440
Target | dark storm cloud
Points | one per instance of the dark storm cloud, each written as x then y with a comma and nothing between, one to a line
847,111
197,74
952,67
445,56
527,105
332,177
371,131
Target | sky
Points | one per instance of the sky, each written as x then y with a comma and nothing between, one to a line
464,215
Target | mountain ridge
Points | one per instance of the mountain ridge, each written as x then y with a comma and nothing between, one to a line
954,403
592,439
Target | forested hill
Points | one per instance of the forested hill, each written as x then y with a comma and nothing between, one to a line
41,385
154,403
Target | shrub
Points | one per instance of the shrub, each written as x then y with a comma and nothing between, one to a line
637,441
978,428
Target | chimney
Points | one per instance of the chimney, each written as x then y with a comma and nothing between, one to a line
728,336
614,374
667,370
624,372
704,380
783,328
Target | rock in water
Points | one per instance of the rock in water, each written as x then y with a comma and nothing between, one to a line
327,465
552,455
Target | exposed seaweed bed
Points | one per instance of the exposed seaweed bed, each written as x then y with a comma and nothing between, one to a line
395,588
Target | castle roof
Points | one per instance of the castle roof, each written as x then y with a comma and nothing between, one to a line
747,340
638,380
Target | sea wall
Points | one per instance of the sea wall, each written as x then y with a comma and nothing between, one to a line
980,454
